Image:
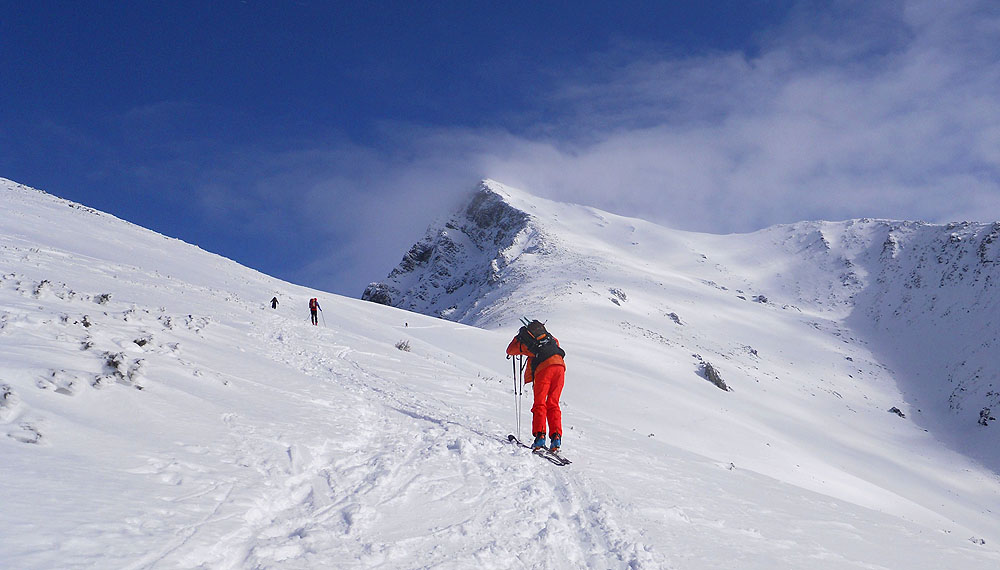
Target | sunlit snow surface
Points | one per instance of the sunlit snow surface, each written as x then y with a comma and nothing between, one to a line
157,413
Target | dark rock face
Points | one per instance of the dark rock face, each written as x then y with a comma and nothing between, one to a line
377,293
492,220
712,375
418,255
932,291
457,263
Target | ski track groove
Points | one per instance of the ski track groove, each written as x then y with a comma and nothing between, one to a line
324,496
337,496
187,532
339,503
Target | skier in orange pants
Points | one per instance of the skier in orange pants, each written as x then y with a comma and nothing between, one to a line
547,371
548,386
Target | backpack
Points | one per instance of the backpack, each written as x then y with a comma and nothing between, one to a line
313,303
539,343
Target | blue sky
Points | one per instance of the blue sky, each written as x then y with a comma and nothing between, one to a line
316,140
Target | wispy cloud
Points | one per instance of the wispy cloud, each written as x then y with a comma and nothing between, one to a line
821,123
845,110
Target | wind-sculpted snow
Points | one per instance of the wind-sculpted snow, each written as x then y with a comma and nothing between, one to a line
155,412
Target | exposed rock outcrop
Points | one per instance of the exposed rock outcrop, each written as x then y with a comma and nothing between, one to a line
458,262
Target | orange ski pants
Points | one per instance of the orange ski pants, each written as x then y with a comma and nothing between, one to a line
548,386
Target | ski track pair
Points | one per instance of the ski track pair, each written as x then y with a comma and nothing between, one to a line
345,495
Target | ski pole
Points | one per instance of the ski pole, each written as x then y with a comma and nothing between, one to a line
324,317
520,391
517,412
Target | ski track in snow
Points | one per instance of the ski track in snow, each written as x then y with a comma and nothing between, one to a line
342,494
347,496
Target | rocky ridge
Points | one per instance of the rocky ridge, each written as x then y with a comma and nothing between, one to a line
467,256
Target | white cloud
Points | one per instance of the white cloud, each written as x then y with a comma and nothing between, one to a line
864,109
816,125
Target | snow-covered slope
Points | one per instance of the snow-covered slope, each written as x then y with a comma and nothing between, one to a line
819,328
924,295
157,413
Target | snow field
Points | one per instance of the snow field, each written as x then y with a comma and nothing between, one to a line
188,425
340,465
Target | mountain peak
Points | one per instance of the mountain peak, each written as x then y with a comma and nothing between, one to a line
496,187
531,204
443,272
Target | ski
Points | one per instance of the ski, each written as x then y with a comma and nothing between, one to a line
563,458
555,456
552,456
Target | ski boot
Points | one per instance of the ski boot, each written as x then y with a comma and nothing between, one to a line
556,443
539,442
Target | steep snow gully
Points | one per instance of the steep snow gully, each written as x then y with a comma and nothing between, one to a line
155,412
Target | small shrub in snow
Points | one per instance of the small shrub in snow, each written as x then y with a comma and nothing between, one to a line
403,345
8,402
897,411
118,368
618,296
41,287
196,323
115,366
985,417
103,298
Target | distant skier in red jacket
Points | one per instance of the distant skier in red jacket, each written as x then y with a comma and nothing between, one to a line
546,370
313,307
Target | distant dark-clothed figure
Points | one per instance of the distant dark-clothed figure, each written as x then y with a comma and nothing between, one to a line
274,302
313,307
547,371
